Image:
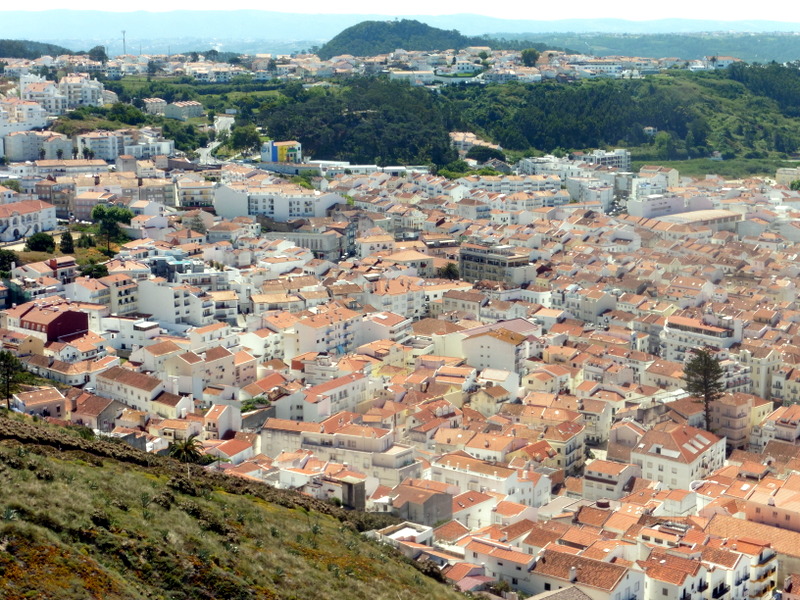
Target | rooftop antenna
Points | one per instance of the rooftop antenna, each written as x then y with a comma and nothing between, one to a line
123,42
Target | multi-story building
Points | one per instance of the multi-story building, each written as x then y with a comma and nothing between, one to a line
290,151
332,329
20,115
183,110
175,303
682,334
36,145
472,474
80,90
783,424
154,106
45,93
497,263
24,218
279,202
618,158
196,193
606,479
678,454
123,294
372,449
104,145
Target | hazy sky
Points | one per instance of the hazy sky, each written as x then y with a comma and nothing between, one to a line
581,9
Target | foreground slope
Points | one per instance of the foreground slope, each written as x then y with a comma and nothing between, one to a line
98,519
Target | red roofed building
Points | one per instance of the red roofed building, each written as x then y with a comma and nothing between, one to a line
678,454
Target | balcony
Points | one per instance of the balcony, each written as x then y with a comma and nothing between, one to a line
765,575
765,559
720,591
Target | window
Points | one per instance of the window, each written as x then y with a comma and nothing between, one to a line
547,587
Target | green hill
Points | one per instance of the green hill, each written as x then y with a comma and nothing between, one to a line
28,49
98,519
380,37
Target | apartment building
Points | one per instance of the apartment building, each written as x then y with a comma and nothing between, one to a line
183,111
678,454
497,263
279,202
682,334
36,145
606,479
175,303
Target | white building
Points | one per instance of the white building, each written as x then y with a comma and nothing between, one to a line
20,115
24,218
676,454
279,202
175,304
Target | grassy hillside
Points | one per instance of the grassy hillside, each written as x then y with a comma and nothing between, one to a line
97,519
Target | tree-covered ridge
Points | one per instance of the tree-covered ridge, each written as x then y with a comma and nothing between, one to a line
370,38
743,111
30,50
694,114
368,121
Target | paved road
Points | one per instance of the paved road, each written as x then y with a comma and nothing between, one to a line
204,154
223,123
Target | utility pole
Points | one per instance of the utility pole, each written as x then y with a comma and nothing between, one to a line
123,42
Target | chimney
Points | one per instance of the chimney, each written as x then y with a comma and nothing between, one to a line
573,574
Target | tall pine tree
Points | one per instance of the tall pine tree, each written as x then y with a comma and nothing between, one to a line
703,376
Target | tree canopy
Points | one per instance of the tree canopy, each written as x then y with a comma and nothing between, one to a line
703,376
9,367
484,153
109,217
66,244
187,451
93,269
369,121
449,271
98,53
530,56
244,138
7,259
41,242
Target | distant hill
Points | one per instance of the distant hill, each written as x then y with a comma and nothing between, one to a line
380,37
762,47
29,49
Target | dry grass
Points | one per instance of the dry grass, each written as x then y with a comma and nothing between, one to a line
132,532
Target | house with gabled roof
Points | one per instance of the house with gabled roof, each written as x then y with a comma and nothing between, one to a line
678,454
